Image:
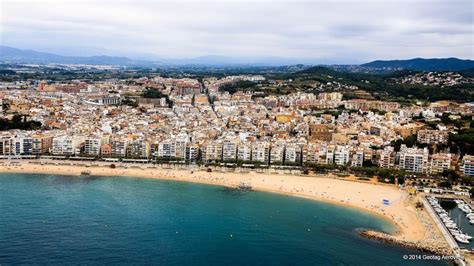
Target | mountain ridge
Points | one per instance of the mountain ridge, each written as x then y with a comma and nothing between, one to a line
15,55
424,64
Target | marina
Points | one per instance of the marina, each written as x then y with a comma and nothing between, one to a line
457,218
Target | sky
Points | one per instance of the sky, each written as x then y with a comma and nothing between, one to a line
309,31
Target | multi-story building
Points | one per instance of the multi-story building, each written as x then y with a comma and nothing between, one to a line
64,145
92,146
229,150
244,152
365,105
387,157
331,149
414,159
342,155
166,149
261,152
180,147
293,153
192,152
138,148
5,145
467,165
440,162
358,158
118,148
428,136
212,151
277,153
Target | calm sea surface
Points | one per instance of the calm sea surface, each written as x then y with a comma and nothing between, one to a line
47,219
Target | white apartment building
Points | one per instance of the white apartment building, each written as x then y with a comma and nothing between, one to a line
244,152
414,159
64,145
277,153
440,162
293,153
342,155
331,149
212,151
92,146
261,152
192,152
229,150
387,157
166,149
119,148
358,158
467,165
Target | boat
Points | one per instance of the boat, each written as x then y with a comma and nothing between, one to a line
461,239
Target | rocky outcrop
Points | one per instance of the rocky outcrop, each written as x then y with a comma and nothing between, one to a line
435,248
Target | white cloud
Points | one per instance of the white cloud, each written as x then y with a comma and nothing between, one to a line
338,31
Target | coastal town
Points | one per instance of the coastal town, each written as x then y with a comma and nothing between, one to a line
236,133
200,125
185,120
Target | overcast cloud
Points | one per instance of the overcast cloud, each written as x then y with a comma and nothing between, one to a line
321,31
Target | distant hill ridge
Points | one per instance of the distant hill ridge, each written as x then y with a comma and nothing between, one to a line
14,55
34,57
421,64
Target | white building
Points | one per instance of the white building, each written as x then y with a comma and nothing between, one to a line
64,145
387,157
166,149
212,151
440,162
229,150
467,165
277,152
342,155
261,152
244,152
192,152
92,146
119,148
331,149
414,159
358,158
293,153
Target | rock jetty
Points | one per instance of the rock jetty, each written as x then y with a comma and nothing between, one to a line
435,248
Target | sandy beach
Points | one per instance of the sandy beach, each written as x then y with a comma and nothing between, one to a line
362,195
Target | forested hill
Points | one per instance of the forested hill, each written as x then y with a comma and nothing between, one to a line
436,64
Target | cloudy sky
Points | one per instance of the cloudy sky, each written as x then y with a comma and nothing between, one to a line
318,31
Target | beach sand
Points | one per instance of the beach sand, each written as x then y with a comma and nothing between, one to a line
363,195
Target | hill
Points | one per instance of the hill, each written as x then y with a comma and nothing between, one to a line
15,55
420,64
382,86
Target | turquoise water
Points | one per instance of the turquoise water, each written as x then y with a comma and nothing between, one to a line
66,219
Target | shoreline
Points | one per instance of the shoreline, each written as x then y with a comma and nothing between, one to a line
362,196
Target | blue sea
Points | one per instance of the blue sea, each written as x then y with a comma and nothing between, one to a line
50,219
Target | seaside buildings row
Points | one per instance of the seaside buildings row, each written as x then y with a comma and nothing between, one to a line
231,150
